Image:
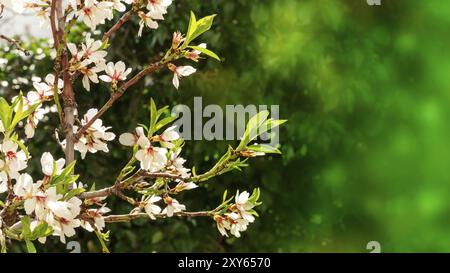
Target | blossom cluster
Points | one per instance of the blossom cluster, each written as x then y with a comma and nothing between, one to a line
239,215
35,99
89,60
95,137
41,200
93,12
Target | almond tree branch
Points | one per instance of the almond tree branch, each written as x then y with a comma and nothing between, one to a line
11,40
15,43
116,188
53,24
68,94
130,217
116,95
125,18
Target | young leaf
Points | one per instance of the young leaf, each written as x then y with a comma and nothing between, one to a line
251,131
30,246
202,26
21,145
191,28
42,230
264,148
206,52
153,117
164,122
224,197
26,231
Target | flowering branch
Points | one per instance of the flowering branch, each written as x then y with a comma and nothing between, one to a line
117,187
10,40
15,43
130,217
125,18
116,95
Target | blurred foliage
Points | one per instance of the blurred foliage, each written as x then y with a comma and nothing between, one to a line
366,92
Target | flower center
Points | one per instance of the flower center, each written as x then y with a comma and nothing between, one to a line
88,11
11,154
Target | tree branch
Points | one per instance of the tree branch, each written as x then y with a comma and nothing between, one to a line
15,43
116,188
130,217
116,95
68,94
125,18
53,24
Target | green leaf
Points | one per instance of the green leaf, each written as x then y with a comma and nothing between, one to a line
224,197
30,246
42,230
21,145
153,117
255,196
202,26
5,113
191,28
264,148
20,115
164,122
270,124
73,192
103,238
69,169
26,231
206,52
251,131
65,178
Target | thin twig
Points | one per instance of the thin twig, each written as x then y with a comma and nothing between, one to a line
125,18
119,186
15,43
130,217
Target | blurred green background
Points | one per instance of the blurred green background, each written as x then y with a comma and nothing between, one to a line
365,151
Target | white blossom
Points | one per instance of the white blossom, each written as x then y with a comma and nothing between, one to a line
150,208
3,179
177,163
158,6
183,186
195,54
48,164
115,73
94,13
222,224
169,135
131,139
173,206
148,19
33,120
95,137
34,198
14,160
179,72
90,74
151,158
237,224
243,205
